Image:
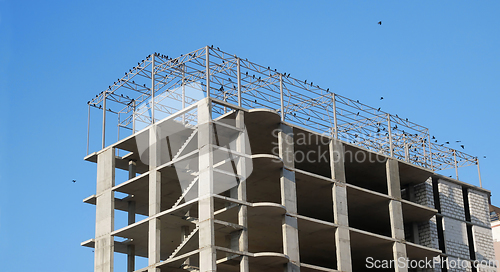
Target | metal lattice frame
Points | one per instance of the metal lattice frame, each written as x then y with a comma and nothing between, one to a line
249,85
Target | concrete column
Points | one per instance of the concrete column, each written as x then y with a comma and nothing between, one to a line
396,212
154,199
242,191
105,208
340,214
207,253
131,219
289,199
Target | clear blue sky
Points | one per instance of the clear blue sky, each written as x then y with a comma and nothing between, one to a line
435,62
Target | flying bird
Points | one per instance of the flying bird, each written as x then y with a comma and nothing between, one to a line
462,146
74,180
381,97
379,22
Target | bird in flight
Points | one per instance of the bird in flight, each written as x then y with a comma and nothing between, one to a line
379,22
74,180
462,146
381,97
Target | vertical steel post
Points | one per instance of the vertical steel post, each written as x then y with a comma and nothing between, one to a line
407,152
430,151
479,173
239,80
118,134
455,161
183,93
335,127
153,88
133,118
104,120
389,129
207,70
423,150
281,99
88,130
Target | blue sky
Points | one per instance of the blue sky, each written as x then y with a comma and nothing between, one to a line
435,62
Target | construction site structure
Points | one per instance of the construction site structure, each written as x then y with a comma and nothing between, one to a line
225,165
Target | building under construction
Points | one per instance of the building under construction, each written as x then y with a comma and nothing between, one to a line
222,164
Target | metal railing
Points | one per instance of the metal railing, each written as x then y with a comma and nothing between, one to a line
143,89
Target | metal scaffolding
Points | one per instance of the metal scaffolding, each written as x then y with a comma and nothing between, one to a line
222,76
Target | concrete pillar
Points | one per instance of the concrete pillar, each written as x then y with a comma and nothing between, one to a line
131,219
207,253
154,199
396,212
105,208
340,215
241,145
289,198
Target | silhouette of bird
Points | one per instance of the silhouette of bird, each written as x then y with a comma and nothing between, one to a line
378,109
484,157
433,137
447,142
381,97
457,141
327,90
462,146
74,181
379,22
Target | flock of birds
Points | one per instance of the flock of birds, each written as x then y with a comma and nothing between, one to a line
259,79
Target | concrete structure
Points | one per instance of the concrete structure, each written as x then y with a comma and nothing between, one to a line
223,184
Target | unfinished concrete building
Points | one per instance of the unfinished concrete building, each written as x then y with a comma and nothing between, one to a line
225,165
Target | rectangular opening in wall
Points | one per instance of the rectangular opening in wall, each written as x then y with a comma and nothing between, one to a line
367,248
465,193
440,231
470,237
365,169
317,243
314,197
368,211
311,152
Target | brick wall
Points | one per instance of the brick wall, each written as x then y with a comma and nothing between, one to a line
479,208
428,235
455,237
423,193
483,240
451,199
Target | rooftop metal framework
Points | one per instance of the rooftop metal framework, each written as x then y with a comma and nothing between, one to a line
138,95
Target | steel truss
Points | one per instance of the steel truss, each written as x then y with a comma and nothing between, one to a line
249,85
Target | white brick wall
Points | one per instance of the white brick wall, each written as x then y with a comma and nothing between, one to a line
455,236
423,193
428,235
451,199
458,265
479,208
483,240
